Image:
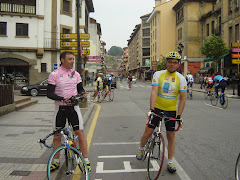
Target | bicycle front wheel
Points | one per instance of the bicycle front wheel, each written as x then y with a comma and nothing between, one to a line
214,99
111,95
72,165
237,168
224,101
156,157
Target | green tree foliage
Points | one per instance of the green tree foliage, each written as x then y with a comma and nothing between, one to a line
214,47
162,63
115,51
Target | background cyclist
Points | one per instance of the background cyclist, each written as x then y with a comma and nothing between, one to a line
221,83
130,80
64,83
190,80
98,86
166,86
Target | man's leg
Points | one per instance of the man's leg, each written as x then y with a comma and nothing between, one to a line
171,148
146,135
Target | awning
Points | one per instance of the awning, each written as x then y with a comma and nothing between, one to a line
211,59
149,71
13,62
204,70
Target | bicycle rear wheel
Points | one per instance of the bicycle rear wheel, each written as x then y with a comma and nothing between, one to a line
156,157
72,164
224,102
214,99
237,168
111,95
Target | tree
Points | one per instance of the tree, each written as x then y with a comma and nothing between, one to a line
115,51
162,64
214,48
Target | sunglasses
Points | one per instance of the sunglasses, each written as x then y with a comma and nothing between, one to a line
172,62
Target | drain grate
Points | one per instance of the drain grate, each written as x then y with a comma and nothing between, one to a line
20,173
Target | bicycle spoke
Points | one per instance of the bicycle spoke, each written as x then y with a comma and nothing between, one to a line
214,99
156,158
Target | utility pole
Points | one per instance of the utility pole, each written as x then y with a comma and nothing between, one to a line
79,63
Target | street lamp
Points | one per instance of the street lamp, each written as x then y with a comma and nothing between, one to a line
180,48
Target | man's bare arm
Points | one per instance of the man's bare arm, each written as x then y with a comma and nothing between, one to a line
153,96
181,104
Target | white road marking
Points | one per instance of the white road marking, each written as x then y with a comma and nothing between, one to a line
212,106
117,156
114,143
141,85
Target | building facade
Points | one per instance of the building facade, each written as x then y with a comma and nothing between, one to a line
30,36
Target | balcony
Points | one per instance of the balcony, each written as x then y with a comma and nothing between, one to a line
51,43
18,8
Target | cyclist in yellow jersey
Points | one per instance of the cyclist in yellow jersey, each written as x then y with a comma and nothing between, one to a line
166,86
98,86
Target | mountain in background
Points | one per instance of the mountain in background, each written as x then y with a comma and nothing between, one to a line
115,51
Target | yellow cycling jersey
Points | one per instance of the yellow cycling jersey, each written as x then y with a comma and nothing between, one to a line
99,79
169,86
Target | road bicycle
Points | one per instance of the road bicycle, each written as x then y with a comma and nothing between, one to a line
189,93
222,98
97,97
108,94
155,147
73,164
237,168
208,93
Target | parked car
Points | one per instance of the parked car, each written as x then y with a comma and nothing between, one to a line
36,89
134,79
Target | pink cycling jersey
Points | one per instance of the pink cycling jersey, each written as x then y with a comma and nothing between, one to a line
66,81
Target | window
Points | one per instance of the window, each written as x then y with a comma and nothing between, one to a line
3,28
21,29
237,33
220,22
66,31
207,29
230,6
146,51
146,32
212,27
230,35
43,67
66,6
179,34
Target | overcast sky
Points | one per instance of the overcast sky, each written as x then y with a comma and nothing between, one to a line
118,18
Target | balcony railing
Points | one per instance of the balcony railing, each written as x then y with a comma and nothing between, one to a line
17,8
51,43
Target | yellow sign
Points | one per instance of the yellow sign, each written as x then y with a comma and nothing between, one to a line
234,44
86,51
74,44
75,52
74,36
236,61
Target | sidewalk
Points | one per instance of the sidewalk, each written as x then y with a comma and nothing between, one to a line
21,157
228,91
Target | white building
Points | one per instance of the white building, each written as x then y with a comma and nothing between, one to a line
30,35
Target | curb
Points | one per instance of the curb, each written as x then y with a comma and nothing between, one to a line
88,113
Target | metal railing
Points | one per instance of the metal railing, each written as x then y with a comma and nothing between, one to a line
17,8
6,95
51,43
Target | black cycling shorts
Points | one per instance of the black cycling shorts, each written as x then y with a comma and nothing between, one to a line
170,125
72,113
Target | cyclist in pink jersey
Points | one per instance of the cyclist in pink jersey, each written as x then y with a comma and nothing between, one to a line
64,83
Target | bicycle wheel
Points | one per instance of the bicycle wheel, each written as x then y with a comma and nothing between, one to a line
72,164
206,95
224,102
214,99
237,168
111,95
156,157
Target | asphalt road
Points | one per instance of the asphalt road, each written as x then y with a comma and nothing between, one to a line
206,148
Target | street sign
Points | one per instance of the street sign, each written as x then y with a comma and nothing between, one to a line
236,61
55,66
74,44
234,44
86,51
74,36
235,55
235,49
75,51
